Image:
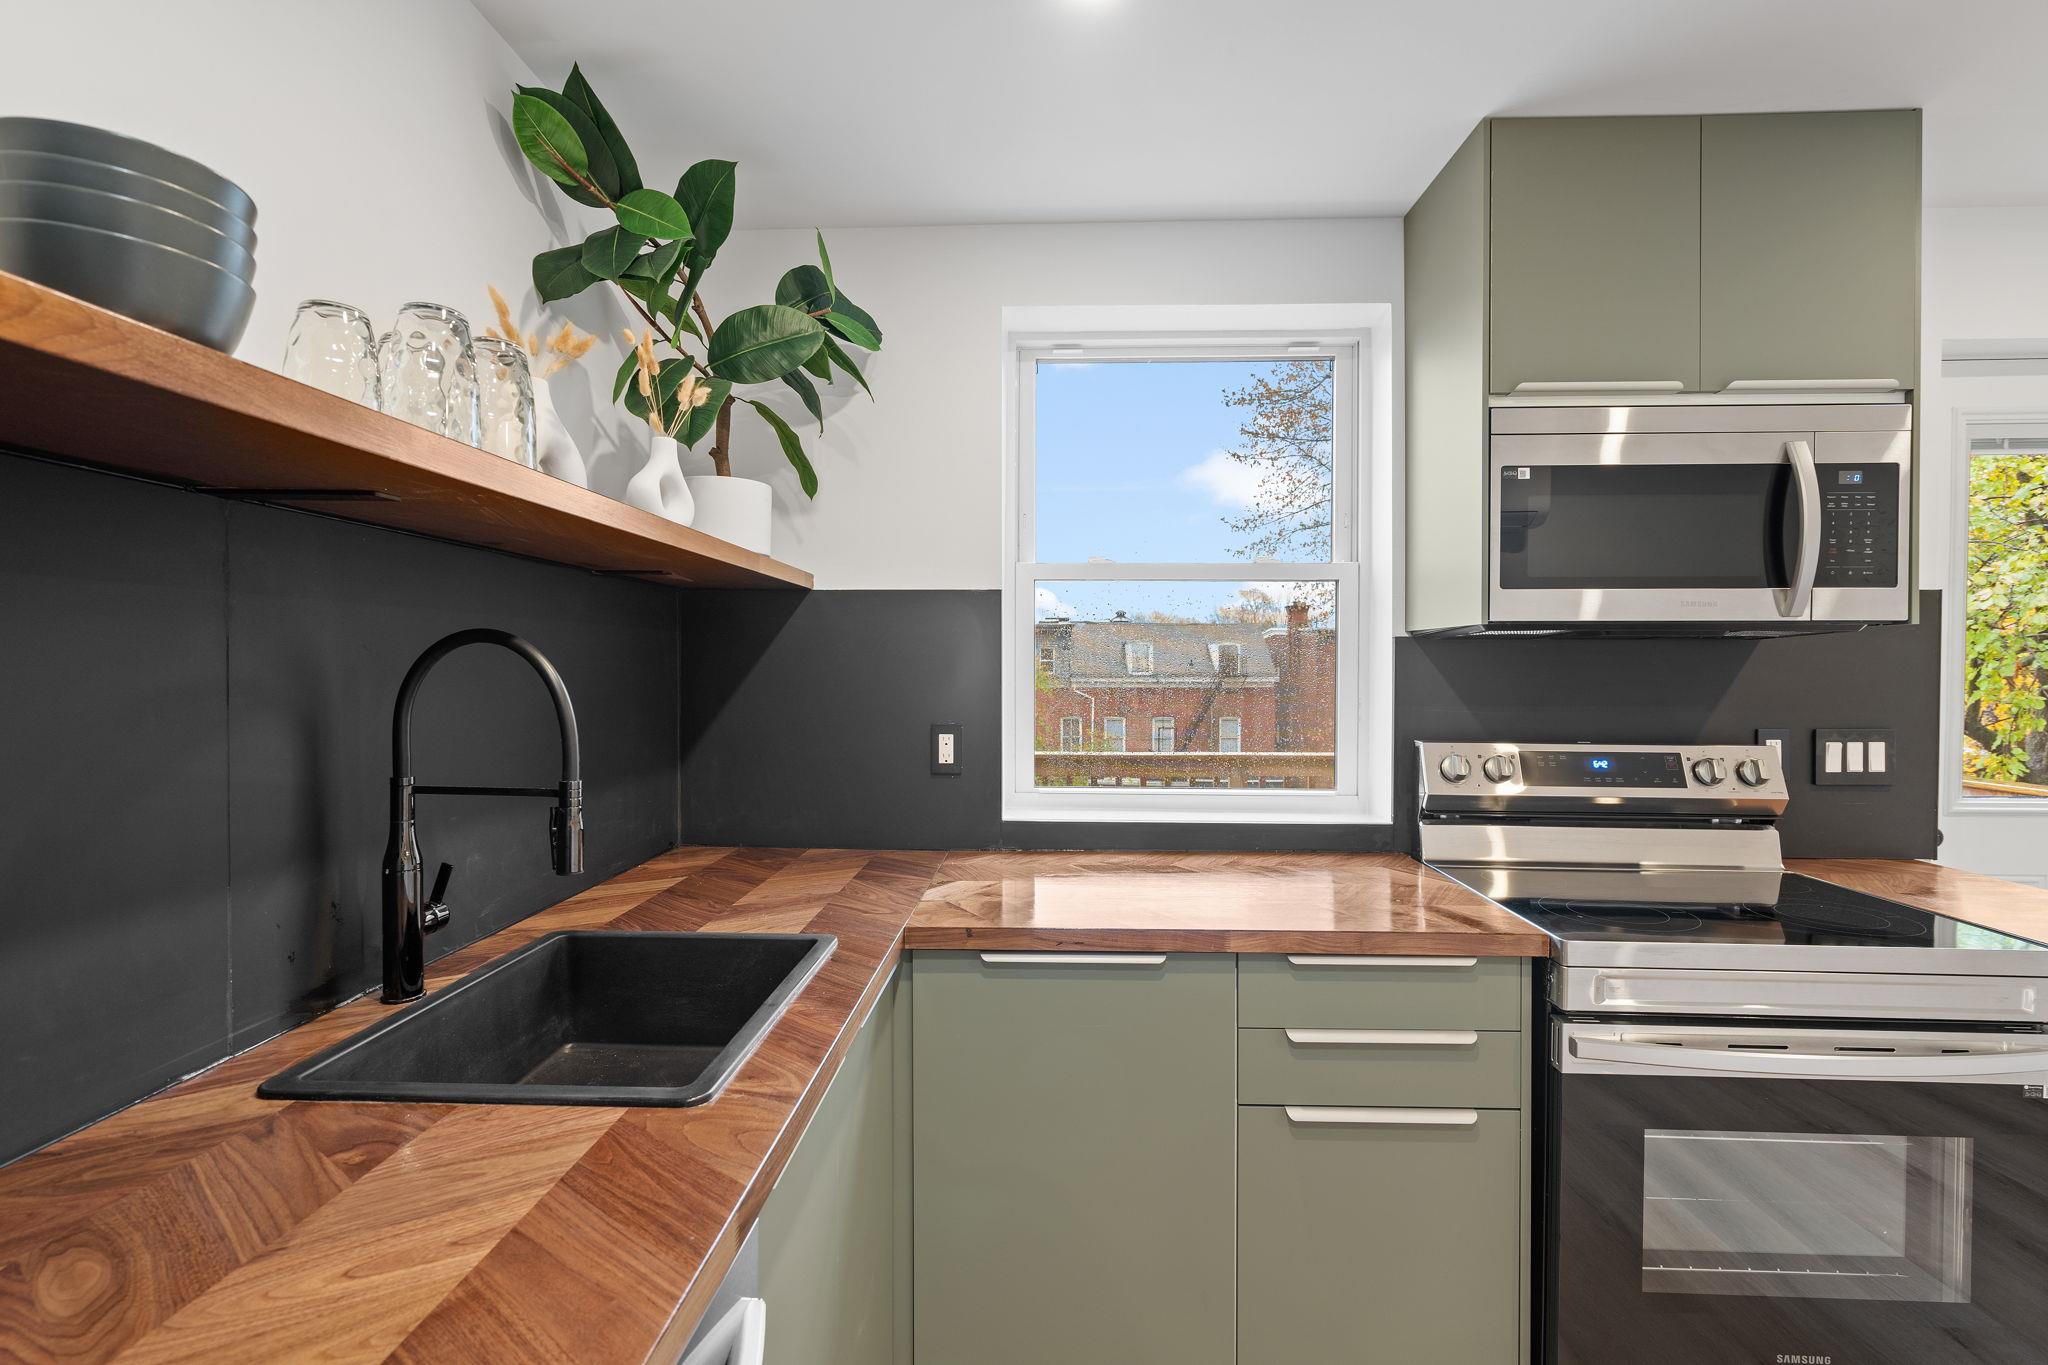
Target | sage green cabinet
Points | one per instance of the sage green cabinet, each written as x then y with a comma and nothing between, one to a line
1810,247
834,1235
1075,1133
1379,1237
1596,252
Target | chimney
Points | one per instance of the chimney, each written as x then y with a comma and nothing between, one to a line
1297,617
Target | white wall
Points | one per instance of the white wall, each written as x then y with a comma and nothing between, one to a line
372,136
1984,275
910,485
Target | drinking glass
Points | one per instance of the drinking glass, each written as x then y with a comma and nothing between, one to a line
504,400
427,371
332,348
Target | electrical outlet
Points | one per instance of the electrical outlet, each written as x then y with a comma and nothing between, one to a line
1853,758
946,750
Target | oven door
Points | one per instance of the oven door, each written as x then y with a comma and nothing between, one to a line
1655,527
1753,1196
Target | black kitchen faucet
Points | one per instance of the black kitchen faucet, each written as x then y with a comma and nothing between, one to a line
410,916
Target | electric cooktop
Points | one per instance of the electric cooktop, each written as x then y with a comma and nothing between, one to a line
1683,918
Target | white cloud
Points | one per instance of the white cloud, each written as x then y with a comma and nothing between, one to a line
1049,604
1228,482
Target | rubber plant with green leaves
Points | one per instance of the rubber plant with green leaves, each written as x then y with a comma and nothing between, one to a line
656,254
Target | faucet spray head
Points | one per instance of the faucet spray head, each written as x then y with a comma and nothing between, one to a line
565,830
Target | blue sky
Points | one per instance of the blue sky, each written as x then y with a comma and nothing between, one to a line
1131,466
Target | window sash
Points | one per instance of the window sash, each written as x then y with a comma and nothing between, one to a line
1113,733
1229,735
2002,435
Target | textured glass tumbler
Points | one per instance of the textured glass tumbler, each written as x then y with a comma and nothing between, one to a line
332,348
504,401
426,371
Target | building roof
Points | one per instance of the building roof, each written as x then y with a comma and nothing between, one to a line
1180,650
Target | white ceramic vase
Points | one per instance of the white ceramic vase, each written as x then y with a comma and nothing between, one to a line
554,453
660,487
737,510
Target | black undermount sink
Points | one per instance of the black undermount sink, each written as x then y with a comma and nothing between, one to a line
576,1017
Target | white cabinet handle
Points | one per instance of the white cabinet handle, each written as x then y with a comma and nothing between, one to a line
740,1338
1382,1037
1332,960
1812,385
1074,959
1600,386
1383,1118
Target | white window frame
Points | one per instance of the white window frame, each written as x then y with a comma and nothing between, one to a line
1080,736
1956,800
1364,548
1235,739
1172,731
1137,652
1122,736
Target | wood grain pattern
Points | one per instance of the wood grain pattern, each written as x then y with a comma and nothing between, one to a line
1212,902
88,385
1992,902
206,1224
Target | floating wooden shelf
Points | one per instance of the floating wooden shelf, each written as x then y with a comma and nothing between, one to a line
90,386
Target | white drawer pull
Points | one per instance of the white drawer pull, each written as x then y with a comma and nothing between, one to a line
1383,1037
1383,1118
1074,959
1322,960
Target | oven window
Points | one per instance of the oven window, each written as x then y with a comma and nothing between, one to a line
1644,526
1801,1215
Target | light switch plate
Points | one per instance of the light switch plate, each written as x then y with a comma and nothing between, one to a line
946,750
1855,755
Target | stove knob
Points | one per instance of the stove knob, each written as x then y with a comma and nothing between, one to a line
1751,773
1709,771
1455,767
1499,767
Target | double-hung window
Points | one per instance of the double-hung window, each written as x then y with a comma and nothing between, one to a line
1188,528
2003,741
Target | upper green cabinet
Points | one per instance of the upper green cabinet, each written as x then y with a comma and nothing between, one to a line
1596,252
1810,248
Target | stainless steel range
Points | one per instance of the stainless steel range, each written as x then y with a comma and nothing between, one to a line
1783,1120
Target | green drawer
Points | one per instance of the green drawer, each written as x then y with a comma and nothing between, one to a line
1300,991
1413,1067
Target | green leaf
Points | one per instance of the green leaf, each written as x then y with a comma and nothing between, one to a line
606,254
668,377
831,350
650,213
699,421
820,365
577,88
792,448
805,289
852,330
808,392
762,343
623,380
548,140
825,260
560,274
706,193
601,170
656,263
853,317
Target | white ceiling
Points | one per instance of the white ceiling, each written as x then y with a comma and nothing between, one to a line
854,112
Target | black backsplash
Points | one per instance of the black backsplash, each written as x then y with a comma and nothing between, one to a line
197,699
806,719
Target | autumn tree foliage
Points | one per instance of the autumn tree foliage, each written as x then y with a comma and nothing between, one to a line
2005,626
1286,437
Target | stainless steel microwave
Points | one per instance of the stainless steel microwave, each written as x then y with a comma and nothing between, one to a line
1762,516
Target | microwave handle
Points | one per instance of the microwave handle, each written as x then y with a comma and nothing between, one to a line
1797,600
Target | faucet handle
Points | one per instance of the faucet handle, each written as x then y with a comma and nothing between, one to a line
435,913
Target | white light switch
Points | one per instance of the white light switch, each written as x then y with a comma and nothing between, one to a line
1852,753
1831,761
1875,753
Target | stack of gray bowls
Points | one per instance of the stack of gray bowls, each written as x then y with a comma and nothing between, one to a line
128,226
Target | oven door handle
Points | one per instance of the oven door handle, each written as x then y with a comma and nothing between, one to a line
1665,1059
1796,601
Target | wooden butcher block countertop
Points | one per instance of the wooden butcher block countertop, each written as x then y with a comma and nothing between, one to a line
207,1224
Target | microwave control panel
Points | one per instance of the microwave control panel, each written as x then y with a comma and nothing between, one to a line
1859,526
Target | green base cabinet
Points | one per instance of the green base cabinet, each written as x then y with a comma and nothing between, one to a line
829,1234
1379,1237
1074,1143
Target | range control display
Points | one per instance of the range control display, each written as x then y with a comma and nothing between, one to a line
1595,768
